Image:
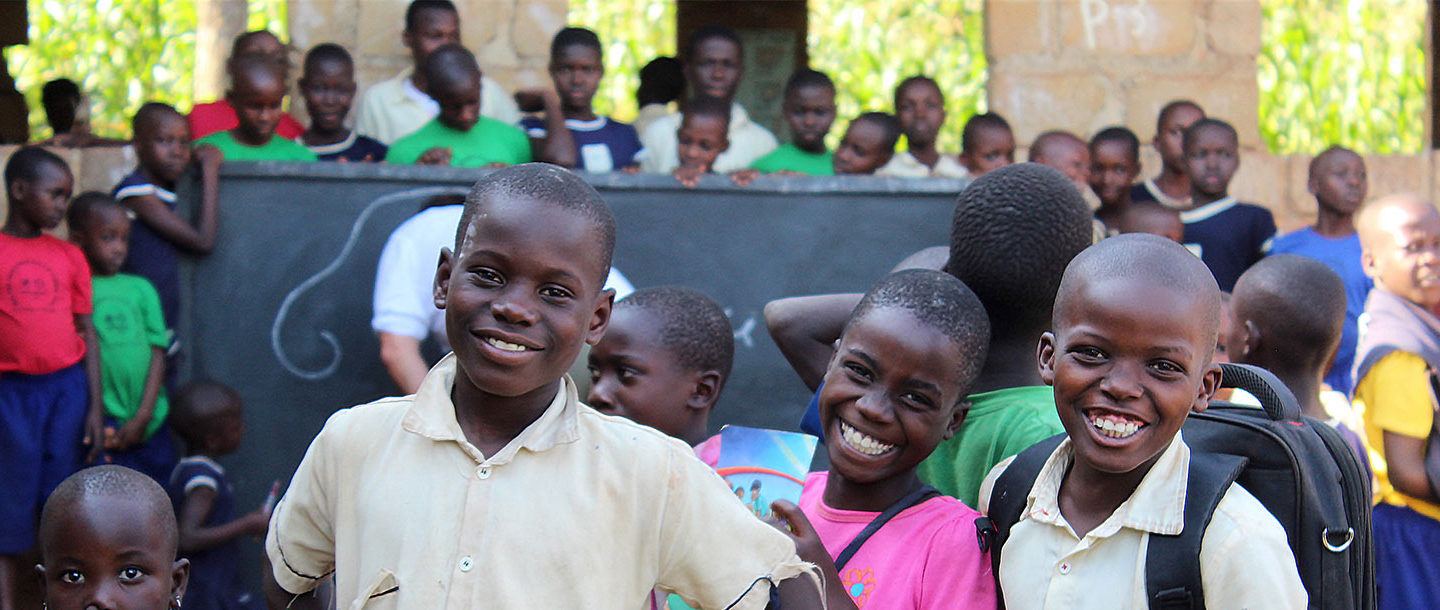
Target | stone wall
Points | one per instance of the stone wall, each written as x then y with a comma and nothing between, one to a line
511,38
1082,65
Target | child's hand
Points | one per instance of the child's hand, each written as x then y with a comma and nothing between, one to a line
257,523
209,157
536,99
129,435
94,436
630,169
689,177
439,155
789,519
744,177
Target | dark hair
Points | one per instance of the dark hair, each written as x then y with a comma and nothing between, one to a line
199,407
1051,138
25,165
707,32
661,81
1330,152
110,481
755,484
806,77
545,184
1119,134
447,66
151,112
1298,303
242,39
942,303
85,204
705,106
885,121
61,100
328,51
412,12
918,79
1207,123
574,37
245,66
978,123
1025,203
693,327
1172,107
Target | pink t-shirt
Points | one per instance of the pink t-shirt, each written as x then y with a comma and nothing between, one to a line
928,556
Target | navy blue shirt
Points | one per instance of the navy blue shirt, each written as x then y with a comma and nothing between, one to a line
601,145
214,582
151,256
1229,236
1341,255
355,149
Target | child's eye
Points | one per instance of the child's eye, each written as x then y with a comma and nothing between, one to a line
554,292
72,577
131,574
1088,354
1165,366
628,374
858,371
919,399
489,276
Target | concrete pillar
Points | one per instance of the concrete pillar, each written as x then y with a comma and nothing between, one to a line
218,22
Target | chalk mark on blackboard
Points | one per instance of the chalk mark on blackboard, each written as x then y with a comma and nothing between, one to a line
743,334
410,195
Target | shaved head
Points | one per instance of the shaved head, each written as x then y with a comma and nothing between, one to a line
1053,144
1400,247
1296,306
1149,259
101,486
1390,212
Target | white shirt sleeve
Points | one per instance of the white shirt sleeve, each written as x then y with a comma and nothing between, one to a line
404,302
619,283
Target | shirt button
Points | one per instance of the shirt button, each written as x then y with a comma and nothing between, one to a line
1065,568
483,472
466,563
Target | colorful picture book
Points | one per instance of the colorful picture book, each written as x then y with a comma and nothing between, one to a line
763,466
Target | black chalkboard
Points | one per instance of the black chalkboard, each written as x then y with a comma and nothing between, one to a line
281,309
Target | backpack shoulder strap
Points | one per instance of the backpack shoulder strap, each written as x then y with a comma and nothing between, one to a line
1172,563
1012,489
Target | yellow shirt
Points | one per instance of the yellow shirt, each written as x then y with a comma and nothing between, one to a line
1394,396
1245,561
581,510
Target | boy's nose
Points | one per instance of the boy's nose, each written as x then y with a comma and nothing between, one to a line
512,311
1121,383
874,406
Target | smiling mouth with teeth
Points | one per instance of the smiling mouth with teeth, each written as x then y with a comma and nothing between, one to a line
862,442
504,346
1114,426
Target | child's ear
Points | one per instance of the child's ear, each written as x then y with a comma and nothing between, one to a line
957,417
600,317
1209,385
442,277
19,190
706,390
1045,355
1251,345
1367,262
180,579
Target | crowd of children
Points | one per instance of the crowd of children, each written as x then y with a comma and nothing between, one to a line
1045,315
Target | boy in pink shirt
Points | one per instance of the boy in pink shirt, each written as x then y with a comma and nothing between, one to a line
894,390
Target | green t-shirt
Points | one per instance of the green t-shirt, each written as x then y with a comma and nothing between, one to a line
489,141
789,158
1000,424
129,324
277,149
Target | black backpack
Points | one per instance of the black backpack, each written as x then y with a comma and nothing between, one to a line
1298,467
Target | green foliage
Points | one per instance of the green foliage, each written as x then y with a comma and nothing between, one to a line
1348,72
122,53
633,32
940,38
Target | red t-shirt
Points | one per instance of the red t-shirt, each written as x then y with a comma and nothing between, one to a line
44,284
209,118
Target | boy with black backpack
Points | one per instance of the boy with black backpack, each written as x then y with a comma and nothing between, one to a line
1135,321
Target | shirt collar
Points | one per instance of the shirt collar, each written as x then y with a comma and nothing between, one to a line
1208,210
738,117
200,459
1157,506
415,95
432,415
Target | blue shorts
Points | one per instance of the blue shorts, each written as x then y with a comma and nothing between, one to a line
155,457
1407,558
42,423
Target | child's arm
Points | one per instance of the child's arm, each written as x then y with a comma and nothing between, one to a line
1405,458
133,432
95,414
402,359
811,549
196,239
806,328
558,145
195,536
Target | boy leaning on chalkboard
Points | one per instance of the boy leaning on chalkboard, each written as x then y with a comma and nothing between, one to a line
161,233
496,446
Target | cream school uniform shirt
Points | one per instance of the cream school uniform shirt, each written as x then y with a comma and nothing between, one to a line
748,141
905,165
395,108
581,510
1245,561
